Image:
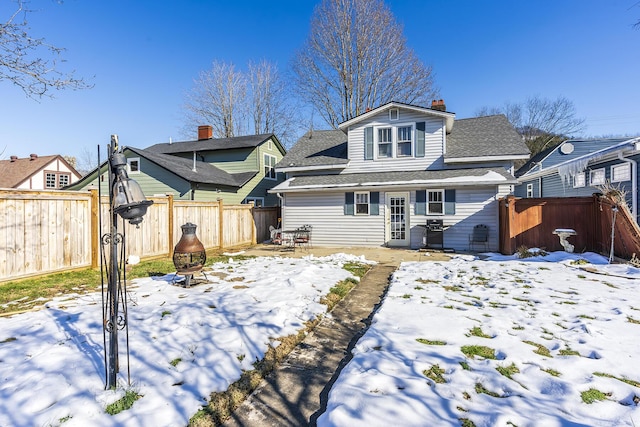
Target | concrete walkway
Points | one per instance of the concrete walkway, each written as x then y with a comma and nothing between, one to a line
296,393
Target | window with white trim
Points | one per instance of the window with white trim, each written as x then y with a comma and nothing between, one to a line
269,166
385,146
579,180
394,114
529,191
404,141
50,180
63,180
362,203
134,165
394,141
621,172
596,177
435,202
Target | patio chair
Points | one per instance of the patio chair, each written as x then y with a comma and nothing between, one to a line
479,236
303,236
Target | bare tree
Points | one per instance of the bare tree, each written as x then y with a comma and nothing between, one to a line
542,122
271,108
236,103
31,63
356,57
218,98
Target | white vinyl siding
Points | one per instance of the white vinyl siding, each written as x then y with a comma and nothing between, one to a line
434,144
325,212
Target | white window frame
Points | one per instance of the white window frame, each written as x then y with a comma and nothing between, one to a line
46,180
597,177
394,141
623,169
269,145
389,143
130,161
269,167
435,202
529,191
362,203
64,175
579,180
409,141
394,114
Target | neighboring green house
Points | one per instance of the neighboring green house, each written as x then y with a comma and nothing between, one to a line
237,170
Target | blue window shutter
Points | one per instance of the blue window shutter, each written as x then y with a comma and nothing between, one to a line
421,202
374,203
449,202
368,143
348,204
420,126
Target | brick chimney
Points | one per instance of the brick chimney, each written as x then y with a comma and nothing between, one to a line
205,132
33,156
14,158
438,105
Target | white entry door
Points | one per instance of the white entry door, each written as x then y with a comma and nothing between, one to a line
397,223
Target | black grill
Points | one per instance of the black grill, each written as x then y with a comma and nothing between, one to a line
434,231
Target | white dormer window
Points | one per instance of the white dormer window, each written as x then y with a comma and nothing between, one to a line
385,143
394,141
394,114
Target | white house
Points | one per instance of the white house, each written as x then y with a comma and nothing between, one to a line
381,176
37,173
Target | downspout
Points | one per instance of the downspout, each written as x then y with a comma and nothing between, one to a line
281,209
634,184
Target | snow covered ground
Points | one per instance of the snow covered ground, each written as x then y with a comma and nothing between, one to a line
51,361
552,331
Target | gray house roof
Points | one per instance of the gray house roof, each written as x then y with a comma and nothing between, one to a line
214,144
205,173
488,136
436,178
317,148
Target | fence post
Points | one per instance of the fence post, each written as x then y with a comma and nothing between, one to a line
253,223
170,224
95,231
220,223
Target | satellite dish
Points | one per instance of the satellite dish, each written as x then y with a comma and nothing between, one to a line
566,148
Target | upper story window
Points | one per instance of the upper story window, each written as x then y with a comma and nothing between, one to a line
394,142
362,203
404,141
529,191
621,172
579,180
597,177
56,179
394,114
385,147
269,166
134,165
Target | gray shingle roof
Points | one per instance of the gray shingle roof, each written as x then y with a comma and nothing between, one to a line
458,177
205,173
213,144
484,136
317,148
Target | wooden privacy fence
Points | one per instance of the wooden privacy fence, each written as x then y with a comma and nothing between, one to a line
48,231
530,222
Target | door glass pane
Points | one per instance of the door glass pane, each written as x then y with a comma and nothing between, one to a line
398,220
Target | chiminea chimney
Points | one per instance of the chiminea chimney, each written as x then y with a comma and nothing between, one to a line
33,156
205,132
438,105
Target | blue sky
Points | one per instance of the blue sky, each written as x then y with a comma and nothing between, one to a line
142,57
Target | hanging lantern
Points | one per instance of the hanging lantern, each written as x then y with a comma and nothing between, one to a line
189,254
128,199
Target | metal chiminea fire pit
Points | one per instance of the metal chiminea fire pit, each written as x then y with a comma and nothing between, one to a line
189,255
